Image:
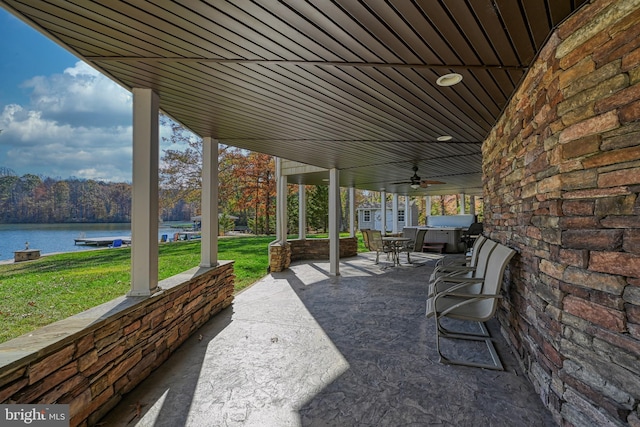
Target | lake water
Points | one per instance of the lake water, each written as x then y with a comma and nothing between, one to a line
50,238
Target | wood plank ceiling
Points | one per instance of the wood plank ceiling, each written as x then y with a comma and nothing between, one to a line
349,84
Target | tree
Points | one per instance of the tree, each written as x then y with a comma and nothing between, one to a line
318,207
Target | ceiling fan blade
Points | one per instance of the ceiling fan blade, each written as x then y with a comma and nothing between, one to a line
401,182
427,182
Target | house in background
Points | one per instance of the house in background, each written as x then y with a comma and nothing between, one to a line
370,216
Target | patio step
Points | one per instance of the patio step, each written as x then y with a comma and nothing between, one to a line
434,247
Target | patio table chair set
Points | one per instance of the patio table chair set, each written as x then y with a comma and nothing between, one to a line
469,293
408,243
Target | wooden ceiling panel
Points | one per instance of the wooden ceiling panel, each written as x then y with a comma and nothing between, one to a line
333,83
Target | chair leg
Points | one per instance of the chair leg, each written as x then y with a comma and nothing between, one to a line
442,332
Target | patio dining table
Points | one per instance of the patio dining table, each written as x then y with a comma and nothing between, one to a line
396,243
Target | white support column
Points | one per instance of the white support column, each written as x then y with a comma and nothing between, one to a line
352,211
427,211
302,212
408,212
209,248
383,206
144,209
463,205
334,218
281,203
394,214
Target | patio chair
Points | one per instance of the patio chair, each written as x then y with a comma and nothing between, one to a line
376,244
471,299
470,235
414,245
448,265
440,280
365,237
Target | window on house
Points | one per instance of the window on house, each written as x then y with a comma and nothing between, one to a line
401,215
367,216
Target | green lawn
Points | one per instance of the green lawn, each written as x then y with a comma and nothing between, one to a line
36,293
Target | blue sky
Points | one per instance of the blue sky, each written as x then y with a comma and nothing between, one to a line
59,117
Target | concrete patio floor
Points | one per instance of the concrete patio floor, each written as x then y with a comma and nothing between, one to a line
301,348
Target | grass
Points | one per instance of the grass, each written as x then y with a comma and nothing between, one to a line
40,292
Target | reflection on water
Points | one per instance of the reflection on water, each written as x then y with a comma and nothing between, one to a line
51,238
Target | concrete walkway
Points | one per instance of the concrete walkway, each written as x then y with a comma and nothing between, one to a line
300,348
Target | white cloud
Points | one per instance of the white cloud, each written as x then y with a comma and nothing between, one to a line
78,124
80,96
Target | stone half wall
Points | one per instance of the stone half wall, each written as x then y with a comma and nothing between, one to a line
561,183
90,360
280,256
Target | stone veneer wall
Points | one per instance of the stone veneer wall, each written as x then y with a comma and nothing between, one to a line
319,248
561,183
280,256
90,360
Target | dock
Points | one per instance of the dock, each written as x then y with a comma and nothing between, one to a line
101,241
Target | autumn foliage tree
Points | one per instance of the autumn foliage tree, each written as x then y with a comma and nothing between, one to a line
246,180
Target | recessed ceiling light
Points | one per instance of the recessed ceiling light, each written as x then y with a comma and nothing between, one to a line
449,79
445,138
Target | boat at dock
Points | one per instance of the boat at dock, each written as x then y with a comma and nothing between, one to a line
102,241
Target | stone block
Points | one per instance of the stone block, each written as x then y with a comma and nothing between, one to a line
579,179
574,257
588,279
585,80
620,205
577,71
597,385
615,221
595,193
620,263
625,37
617,142
630,112
617,178
595,125
631,241
595,313
581,147
632,294
578,222
578,207
51,363
598,240
607,158
617,100
552,269
633,313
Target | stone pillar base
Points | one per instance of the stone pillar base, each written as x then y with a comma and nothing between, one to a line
279,257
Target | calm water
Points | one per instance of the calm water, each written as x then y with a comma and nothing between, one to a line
51,238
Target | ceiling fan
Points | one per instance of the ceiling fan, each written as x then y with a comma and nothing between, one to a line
415,182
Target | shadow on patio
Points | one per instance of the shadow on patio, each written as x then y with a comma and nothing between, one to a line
301,348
